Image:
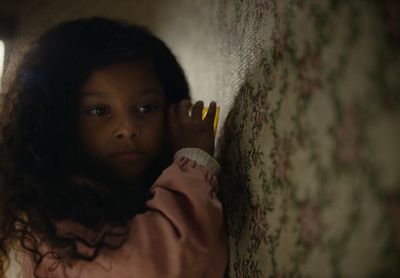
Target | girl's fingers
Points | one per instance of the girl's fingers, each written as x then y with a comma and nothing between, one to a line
183,109
197,111
209,119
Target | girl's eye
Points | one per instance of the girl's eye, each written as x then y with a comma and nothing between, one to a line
98,111
147,108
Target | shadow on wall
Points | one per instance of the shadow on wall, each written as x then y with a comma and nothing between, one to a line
309,175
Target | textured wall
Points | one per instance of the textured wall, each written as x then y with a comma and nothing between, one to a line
311,145
310,148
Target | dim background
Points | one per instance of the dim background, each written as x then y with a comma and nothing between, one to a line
309,130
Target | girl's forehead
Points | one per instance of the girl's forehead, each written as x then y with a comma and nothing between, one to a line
135,71
137,78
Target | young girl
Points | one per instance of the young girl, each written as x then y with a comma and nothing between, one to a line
103,173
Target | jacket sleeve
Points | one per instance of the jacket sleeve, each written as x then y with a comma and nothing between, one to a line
184,220
175,237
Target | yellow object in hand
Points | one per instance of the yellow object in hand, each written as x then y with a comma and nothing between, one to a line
204,113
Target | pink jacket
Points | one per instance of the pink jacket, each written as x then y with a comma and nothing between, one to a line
181,235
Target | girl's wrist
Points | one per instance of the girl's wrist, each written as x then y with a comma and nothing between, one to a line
201,157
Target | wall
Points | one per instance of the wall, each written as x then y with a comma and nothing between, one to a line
309,133
311,145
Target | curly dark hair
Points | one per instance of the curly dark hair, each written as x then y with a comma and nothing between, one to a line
40,178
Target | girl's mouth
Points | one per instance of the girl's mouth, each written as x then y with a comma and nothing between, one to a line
126,155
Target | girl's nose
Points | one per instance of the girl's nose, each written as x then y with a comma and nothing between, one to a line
127,130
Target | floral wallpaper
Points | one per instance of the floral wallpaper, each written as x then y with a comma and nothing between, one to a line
310,148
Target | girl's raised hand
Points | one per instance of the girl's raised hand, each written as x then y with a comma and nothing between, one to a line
191,131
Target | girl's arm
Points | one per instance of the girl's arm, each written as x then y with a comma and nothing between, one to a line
180,235
186,222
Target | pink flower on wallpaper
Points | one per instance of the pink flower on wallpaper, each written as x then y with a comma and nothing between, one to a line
261,7
392,16
259,223
310,223
281,36
299,3
309,70
281,159
394,216
240,267
260,110
282,43
348,133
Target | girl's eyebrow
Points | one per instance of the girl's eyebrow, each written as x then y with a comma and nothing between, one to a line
93,93
150,91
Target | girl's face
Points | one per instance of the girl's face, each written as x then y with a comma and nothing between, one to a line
121,121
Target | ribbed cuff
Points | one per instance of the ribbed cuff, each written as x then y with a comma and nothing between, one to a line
201,157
